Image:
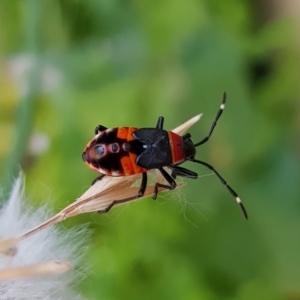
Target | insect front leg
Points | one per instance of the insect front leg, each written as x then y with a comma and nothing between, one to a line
179,171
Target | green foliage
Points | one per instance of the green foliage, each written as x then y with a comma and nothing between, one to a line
126,63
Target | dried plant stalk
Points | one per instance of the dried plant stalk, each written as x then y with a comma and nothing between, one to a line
8,246
95,199
39,269
181,129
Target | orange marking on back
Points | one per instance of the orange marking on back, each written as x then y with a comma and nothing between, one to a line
176,147
127,165
122,133
137,169
131,130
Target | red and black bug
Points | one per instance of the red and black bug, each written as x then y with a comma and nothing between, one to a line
123,151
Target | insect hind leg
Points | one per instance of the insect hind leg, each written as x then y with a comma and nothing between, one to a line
140,193
172,183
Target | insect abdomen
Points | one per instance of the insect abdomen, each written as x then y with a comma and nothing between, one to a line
128,159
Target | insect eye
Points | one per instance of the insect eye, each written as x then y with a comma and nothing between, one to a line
99,151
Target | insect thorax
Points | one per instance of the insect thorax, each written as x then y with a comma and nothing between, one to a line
189,149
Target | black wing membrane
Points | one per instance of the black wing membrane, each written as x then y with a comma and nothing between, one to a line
157,153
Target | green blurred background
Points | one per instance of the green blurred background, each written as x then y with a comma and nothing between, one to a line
69,65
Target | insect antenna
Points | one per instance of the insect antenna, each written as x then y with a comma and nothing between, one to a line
232,192
213,125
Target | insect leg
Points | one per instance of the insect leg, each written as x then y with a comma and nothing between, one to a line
143,186
115,202
222,106
186,136
99,128
97,179
179,171
140,193
232,192
160,123
169,179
